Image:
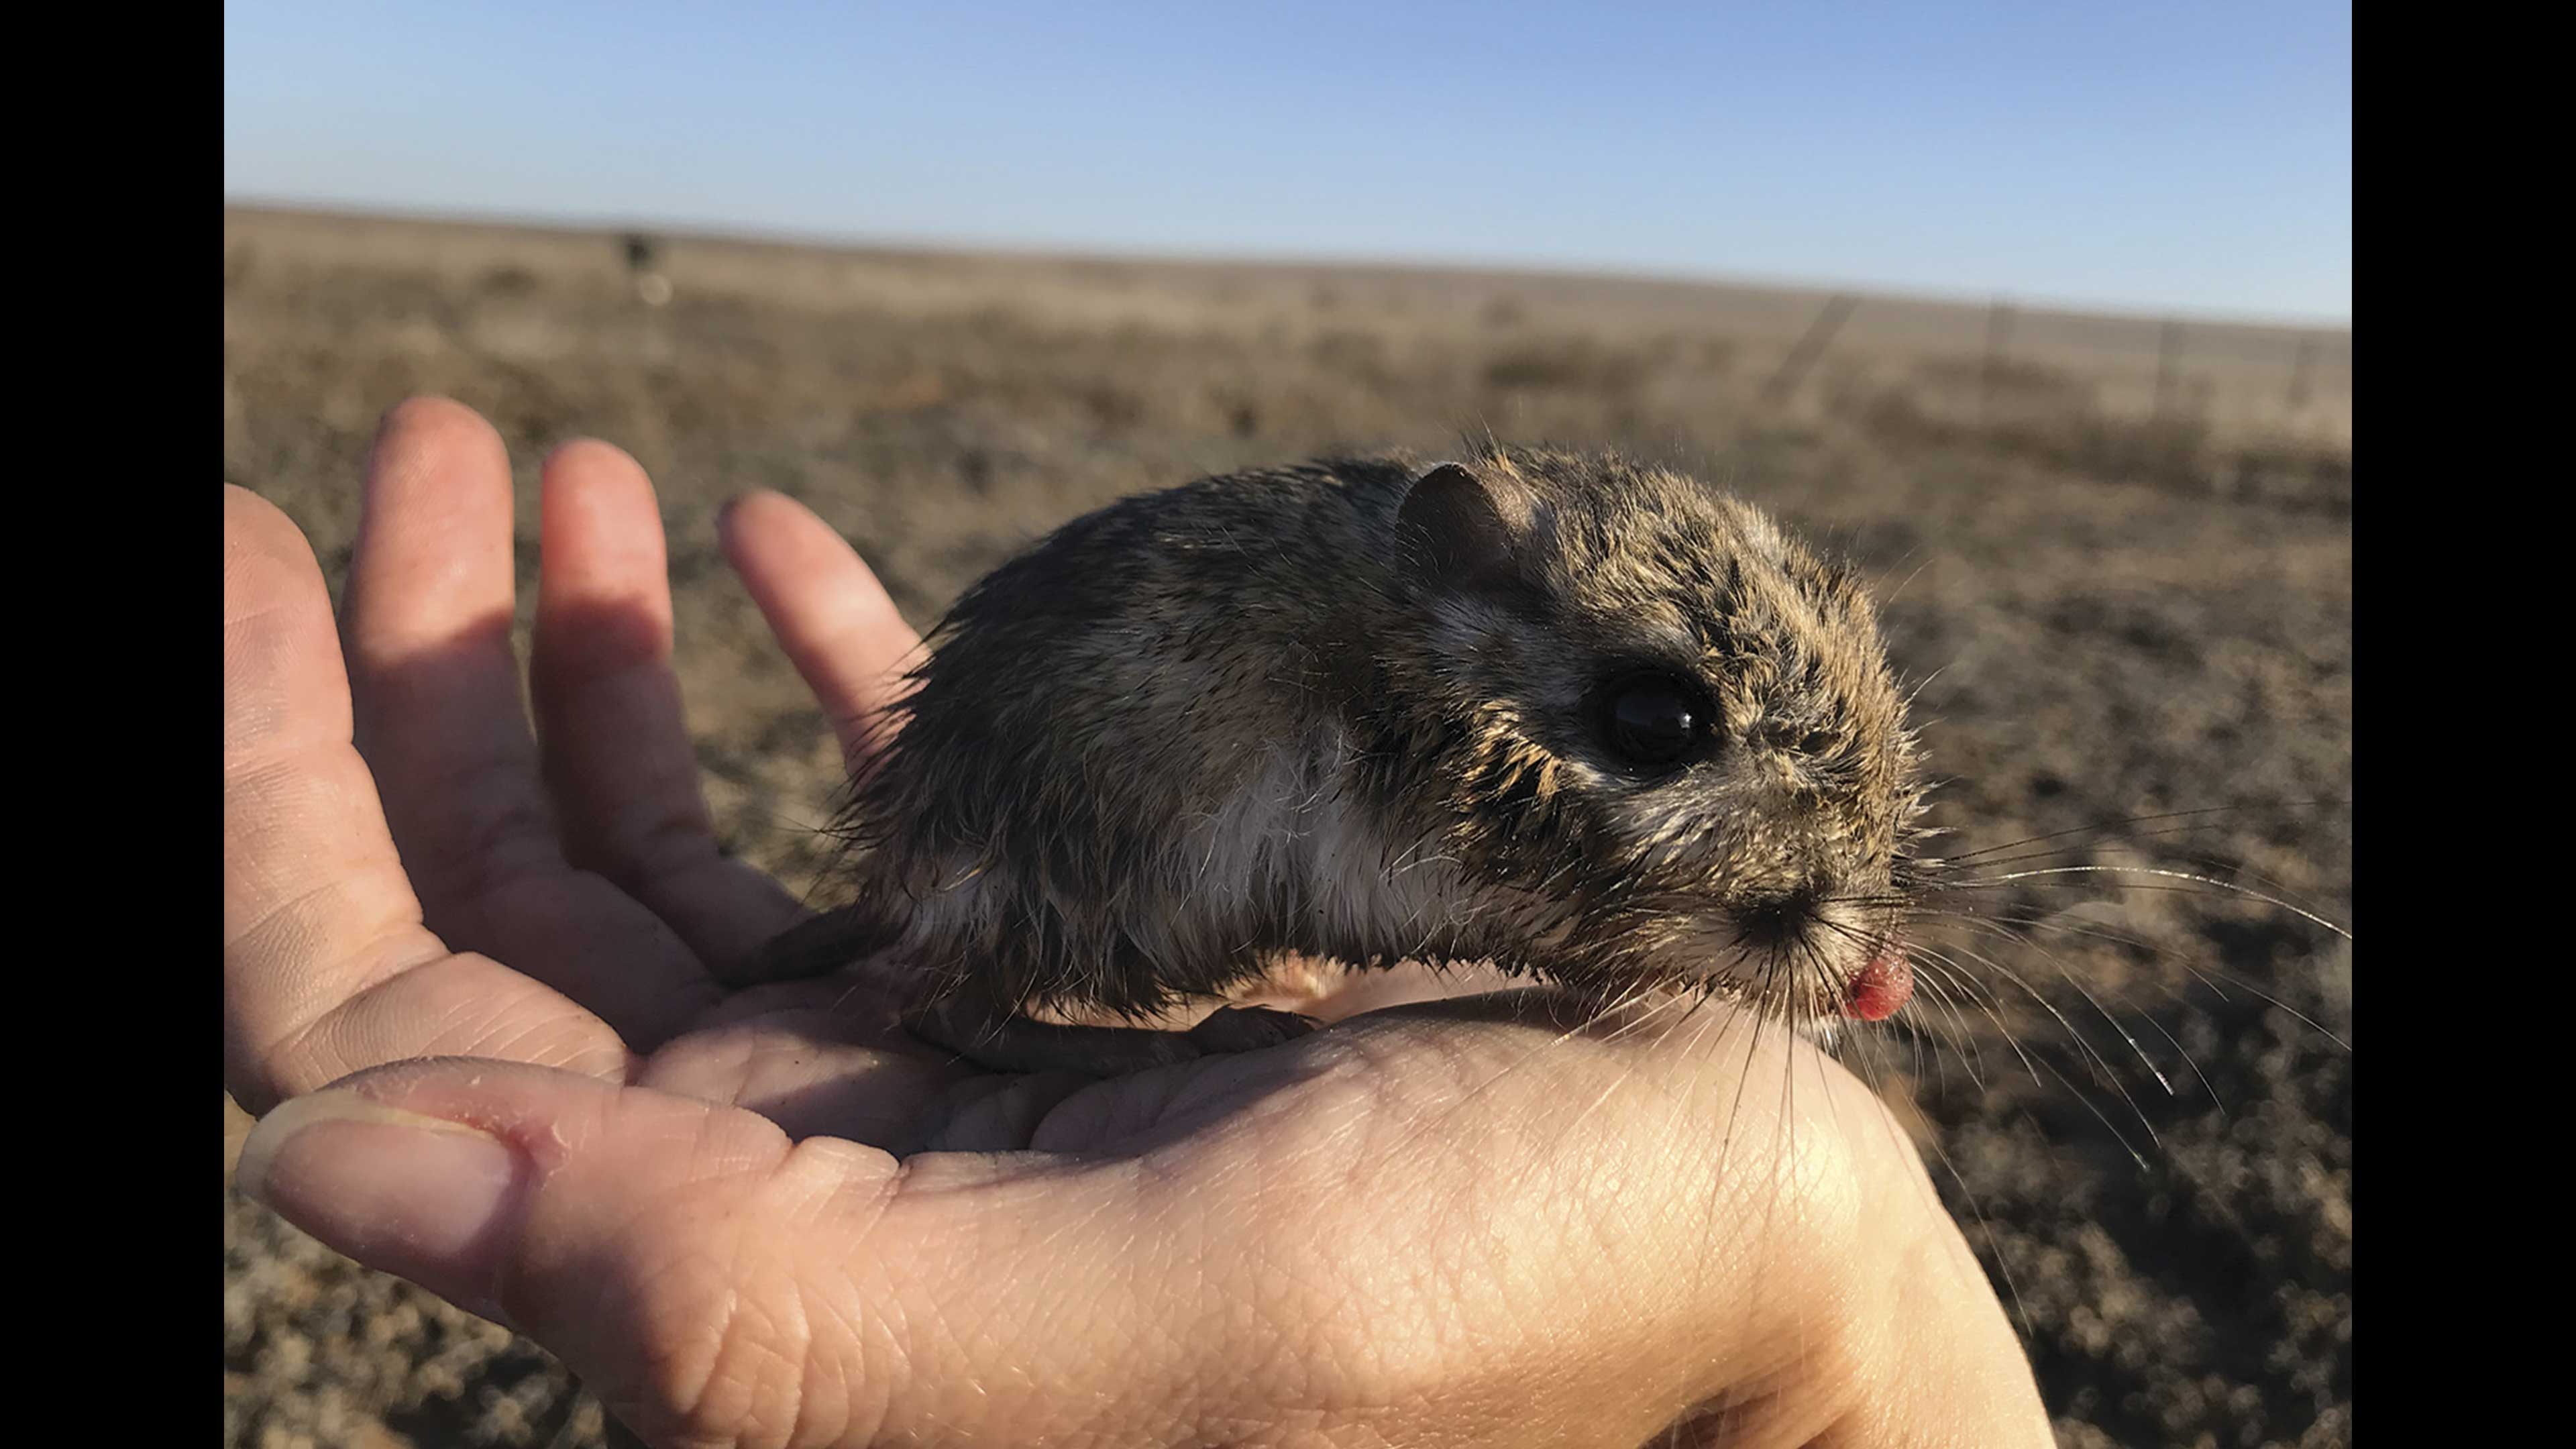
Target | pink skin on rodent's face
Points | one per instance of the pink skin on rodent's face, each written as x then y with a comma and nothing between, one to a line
1882,986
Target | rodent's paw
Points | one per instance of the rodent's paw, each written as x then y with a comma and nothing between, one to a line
1249,1028
1327,992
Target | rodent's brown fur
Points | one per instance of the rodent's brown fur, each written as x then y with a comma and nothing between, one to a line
1292,711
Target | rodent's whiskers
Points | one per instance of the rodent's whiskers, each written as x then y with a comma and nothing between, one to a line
2229,887
1941,980
2212,980
1961,982
1625,1000
2101,825
2072,979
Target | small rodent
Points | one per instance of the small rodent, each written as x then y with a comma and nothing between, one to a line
1588,720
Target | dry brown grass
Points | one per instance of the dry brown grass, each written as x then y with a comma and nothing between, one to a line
2125,612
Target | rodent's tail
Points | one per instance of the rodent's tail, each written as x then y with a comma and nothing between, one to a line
817,947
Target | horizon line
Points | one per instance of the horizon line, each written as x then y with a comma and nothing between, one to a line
736,233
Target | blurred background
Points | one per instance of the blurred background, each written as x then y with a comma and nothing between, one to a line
2042,314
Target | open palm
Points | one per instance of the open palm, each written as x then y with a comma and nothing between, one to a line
766,1216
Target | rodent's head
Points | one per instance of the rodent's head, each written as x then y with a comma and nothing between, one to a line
1660,727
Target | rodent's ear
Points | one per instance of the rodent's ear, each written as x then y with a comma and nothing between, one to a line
1462,528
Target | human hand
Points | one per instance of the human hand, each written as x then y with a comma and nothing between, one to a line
767,1217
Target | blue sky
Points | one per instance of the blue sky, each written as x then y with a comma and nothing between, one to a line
2176,158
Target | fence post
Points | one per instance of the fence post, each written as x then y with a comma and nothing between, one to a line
644,268
1999,326
2168,366
1820,334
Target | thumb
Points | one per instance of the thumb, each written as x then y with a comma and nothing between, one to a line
711,1280
716,1283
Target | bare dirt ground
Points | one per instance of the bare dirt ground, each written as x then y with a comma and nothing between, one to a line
2121,555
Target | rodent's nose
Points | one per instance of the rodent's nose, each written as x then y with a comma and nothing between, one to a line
1780,918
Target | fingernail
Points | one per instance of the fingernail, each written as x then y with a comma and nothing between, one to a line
412,1195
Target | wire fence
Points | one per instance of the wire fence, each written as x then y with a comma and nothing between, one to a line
2225,409
2218,407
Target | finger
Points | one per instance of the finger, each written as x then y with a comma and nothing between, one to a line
427,616
830,614
327,966
717,1283
616,749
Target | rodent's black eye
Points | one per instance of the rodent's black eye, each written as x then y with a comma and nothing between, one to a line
1653,719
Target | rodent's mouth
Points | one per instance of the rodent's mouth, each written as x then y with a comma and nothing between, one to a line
1823,991
1877,990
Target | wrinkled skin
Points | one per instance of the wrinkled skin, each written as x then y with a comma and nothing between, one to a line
470,980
